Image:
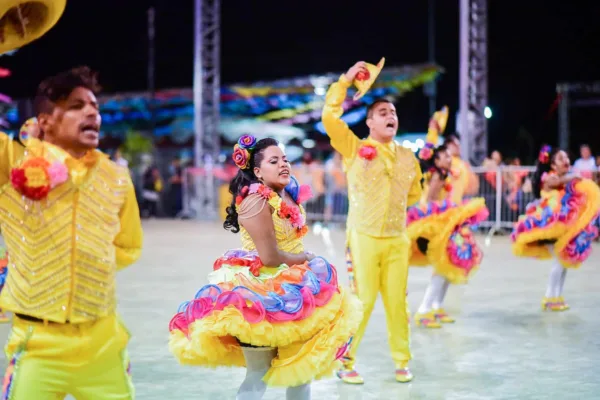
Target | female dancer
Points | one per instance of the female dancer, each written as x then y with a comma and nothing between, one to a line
270,306
560,225
439,229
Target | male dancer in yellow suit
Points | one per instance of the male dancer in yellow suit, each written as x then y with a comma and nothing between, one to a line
383,179
70,220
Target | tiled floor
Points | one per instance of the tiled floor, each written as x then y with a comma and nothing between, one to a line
502,346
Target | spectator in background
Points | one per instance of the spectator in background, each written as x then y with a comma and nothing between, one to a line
492,163
152,187
175,187
336,201
586,165
119,160
311,172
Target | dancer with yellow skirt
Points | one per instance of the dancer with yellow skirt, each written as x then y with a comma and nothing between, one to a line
383,179
439,229
561,225
462,179
271,306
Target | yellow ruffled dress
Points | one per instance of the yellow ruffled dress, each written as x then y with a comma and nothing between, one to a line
441,236
564,222
301,310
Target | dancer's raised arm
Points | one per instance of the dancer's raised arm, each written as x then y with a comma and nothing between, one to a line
342,138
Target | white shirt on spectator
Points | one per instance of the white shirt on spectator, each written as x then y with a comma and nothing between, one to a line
585,166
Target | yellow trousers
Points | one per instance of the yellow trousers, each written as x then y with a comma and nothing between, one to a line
381,265
89,361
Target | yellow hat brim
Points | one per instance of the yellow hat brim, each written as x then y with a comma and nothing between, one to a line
443,118
45,14
364,86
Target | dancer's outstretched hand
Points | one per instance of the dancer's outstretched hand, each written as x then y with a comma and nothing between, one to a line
360,66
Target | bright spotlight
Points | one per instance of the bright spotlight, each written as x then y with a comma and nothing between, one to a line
420,143
487,112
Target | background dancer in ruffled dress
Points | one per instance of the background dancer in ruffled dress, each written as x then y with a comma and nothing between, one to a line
561,225
439,228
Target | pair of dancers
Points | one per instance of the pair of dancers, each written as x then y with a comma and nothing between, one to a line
280,311
225,323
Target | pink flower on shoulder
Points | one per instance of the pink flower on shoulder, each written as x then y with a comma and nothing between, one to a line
367,152
304,194
58,174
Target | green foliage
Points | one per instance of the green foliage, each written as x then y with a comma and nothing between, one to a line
135,145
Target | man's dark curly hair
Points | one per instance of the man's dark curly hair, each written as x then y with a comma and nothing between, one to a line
59,87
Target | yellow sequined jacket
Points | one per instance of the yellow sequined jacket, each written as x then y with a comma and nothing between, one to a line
379,189
65,249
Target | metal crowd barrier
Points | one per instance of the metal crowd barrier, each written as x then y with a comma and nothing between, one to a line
507,190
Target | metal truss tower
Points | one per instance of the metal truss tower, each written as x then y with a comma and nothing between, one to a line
473,82
207,80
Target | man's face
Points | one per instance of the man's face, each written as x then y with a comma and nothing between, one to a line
383,122
74,124
585,152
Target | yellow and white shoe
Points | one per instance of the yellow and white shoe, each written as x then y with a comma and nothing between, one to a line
561,300
350,376
403,375
553,304
427,320
441,316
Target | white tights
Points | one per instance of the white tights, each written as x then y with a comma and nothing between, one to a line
556,283
435,294
258,362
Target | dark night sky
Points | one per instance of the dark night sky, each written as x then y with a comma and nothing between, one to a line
532,45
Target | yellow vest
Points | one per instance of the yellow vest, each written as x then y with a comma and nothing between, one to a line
64,250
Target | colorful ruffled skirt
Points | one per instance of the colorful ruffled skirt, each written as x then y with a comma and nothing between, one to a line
441,236
300,310
563,222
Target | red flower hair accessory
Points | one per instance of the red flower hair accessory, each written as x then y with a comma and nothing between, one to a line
544,156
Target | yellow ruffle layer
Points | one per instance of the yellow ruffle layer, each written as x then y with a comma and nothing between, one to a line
437,229
306,349
527,244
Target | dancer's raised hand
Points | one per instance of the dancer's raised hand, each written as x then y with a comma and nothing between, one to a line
360,66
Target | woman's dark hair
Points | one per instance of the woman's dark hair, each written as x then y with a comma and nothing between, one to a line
429,164
541,168
245,177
